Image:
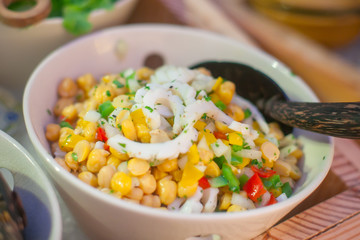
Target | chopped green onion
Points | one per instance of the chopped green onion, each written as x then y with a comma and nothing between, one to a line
247,113
149,108
106,108
65,124
118,84
74,156
220,105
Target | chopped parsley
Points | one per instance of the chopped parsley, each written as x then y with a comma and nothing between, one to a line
207,98
118,84
147,87
149,108
247,113
108,93
74,156
221,105
49,112
122,145
65,124
204,116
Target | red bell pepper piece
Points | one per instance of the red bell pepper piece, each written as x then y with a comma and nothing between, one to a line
264,173
272,200
254,187
204,183
220,135
101,134
106,147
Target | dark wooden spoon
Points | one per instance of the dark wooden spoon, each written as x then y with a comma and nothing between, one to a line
339,119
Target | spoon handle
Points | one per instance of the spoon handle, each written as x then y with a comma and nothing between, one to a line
340,119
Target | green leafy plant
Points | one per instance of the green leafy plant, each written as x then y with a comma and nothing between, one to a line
74,12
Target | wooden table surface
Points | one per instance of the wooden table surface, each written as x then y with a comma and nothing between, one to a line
333,210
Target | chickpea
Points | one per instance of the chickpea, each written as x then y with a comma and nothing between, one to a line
61,104
67,88
105,174
52,132
151,201
62,163
147,183
89,178
71,161
135,194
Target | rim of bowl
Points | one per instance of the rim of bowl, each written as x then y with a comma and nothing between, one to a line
95,13
107,199
56,228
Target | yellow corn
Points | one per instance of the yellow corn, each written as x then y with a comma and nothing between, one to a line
71,160
166,190
235,208
70,112
193,154
128,129
235,112
138,167
121,182
96,160
107,78
256,126
158,174
260,140
214,97
168,165
297,153
68,139
89,178
177,174
245,162
221,127
86,82
212,170
119,155
210,138
295,172
270,152
113,160
143,133
138,116
144,73
225,201
218,82
235,138
274,128
200,125
82,149
226,91
89,131
103,93
122,101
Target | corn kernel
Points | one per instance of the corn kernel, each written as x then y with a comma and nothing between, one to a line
158,174
70,112
274,128
71,160
88,178
82,149
113,160
103,93
212,170
147,183
168,165
96,160
275,192
119,155
235,112
138,166
138,116
121,182
210,138
167,191
144,73
86,82
68,140
206,155
143,133
122,116
177,174
226,91
260,140
122,101
129,130
297,153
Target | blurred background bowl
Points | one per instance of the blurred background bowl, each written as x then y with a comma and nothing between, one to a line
34,189
21,49
332,23
102,216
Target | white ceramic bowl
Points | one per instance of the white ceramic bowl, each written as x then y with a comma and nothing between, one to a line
34,189
21,49
105,217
